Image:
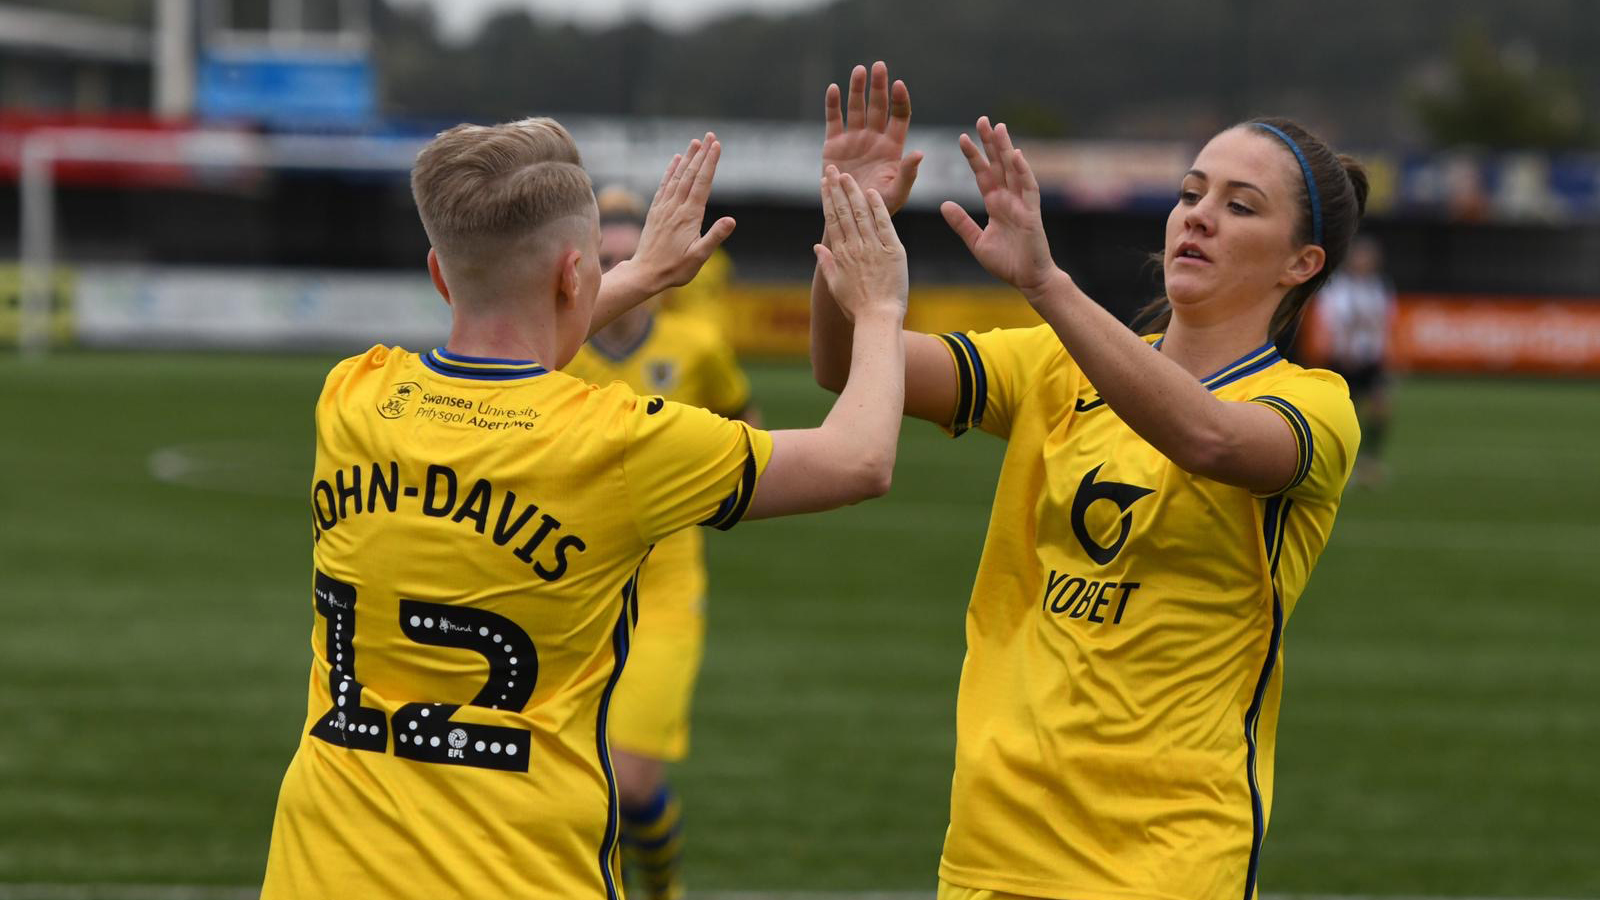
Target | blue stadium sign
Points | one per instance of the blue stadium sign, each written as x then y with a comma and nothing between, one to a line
287,88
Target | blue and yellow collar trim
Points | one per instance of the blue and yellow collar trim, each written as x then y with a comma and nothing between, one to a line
1256,360
1260,358
482,368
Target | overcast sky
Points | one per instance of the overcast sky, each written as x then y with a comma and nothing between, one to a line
462,17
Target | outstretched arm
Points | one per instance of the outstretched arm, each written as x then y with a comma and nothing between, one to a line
850,456
671,247
1244,444
870,147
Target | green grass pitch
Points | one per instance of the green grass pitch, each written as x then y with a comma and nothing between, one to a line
1441,726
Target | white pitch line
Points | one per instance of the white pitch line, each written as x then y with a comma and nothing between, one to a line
238,467
59,891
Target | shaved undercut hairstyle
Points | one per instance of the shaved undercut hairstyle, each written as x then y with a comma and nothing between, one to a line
478,187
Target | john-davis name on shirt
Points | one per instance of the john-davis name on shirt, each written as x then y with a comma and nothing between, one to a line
492,512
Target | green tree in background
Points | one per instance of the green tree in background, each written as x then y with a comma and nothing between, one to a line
1501,99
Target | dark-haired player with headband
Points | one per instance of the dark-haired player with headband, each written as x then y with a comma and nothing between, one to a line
1162,503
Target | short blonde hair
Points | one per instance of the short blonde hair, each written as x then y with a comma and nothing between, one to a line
478,184
618,204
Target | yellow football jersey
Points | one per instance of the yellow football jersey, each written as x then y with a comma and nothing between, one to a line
705,297
686,360
478,527
1119,698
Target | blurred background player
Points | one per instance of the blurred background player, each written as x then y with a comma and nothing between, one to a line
705,298
1355,310
685,359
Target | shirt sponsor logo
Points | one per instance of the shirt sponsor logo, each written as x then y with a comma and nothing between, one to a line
399,400
1090,492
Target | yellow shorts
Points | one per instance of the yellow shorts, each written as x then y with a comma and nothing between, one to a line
650,706
948,891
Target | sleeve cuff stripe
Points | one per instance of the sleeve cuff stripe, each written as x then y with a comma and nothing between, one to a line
969,376
980,387
1302,435
733,508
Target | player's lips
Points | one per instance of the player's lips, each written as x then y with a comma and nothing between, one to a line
1189,252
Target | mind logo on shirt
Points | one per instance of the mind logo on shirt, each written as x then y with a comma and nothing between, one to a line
1091,491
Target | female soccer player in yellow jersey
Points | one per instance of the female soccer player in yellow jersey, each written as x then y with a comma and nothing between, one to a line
479,521
1162,502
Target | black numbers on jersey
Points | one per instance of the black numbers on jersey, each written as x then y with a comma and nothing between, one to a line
346,723
427,732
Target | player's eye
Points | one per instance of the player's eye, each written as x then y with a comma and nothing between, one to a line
1240,208
1188,197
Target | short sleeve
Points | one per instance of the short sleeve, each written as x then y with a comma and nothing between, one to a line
727,390
994,371
1316,405
685,466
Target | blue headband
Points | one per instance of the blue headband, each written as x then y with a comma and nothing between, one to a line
1311,181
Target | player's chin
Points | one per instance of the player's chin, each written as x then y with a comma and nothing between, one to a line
1186,287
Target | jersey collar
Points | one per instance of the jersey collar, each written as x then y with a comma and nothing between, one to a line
1260,358
481,368
619,354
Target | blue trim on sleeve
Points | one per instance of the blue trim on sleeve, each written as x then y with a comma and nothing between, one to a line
733,508
980,389
972,383
1302,436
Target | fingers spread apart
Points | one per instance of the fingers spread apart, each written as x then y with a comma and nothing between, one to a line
878,99
832,113
857,110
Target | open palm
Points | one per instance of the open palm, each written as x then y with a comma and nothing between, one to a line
1012,245
870,145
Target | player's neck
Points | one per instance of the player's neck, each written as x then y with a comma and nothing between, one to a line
1203,348
511,334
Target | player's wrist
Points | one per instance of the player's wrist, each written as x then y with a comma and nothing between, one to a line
1052,288
888,313
638,279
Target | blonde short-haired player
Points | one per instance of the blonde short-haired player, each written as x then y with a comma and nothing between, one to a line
1161,505
479,520
685,359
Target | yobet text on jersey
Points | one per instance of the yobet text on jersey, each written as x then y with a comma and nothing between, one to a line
1077,597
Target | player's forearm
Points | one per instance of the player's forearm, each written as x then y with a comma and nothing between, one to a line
831,337
1156,397
864,424
627,285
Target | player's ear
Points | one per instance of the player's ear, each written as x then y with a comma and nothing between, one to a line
437,274
1304,265
570,286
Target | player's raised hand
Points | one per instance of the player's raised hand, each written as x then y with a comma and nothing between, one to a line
1012,246
671,247
862,261
870,145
